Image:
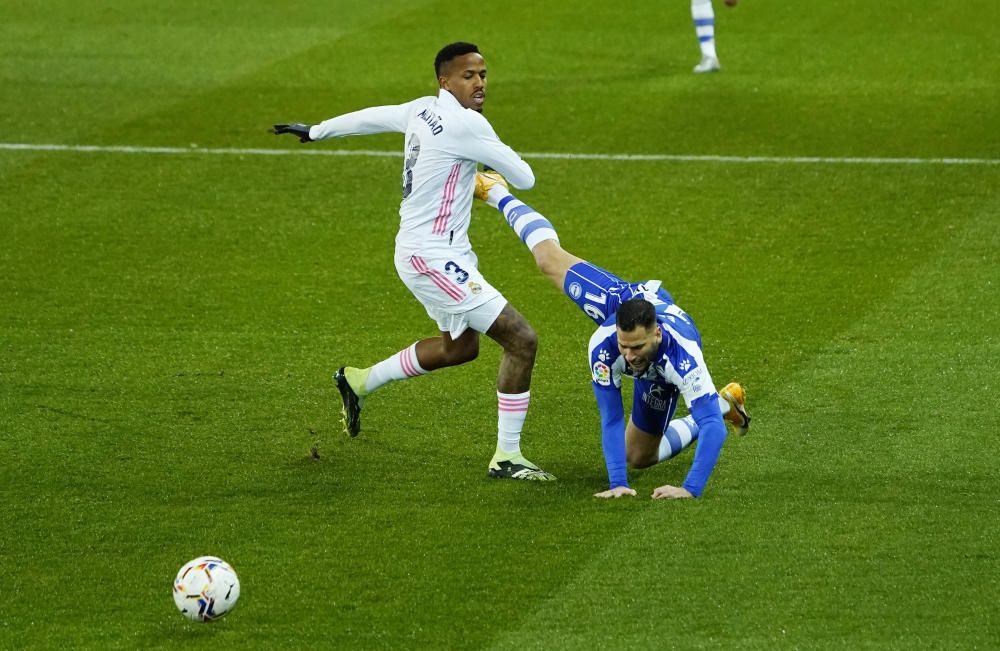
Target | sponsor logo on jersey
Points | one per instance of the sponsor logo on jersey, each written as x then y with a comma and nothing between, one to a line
602,374
603,355
575,290
693,384
655,397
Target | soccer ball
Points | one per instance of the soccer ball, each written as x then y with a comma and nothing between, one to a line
206,589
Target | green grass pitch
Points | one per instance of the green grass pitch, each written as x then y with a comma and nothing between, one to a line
169,324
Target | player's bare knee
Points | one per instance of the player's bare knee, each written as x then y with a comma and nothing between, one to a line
470,352
638,459
512,331
551,266
463,353
553,261
542,261
526,341
522,344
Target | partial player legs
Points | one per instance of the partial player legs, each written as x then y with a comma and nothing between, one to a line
422,357
554,261
520,343
355,384
587,285
704,27
443,351
537,232
644,449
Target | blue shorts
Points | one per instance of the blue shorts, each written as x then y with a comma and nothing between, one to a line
653,405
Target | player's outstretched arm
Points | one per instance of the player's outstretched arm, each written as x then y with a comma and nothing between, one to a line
609,401
486,147
377,119
297,129
712,435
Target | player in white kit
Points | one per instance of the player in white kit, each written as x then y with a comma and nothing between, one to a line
445,137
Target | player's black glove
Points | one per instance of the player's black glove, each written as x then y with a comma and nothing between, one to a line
301,131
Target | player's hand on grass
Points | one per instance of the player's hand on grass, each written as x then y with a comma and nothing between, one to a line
299,130
668,492
615,492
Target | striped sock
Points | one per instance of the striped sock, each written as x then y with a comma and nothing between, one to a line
680,433
704,26
529,225
400,366
512,408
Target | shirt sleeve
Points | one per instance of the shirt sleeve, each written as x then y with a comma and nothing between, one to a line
609,401
705,411
377,119
485,146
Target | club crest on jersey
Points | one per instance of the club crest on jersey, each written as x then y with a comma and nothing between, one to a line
475,287
575,290
602,374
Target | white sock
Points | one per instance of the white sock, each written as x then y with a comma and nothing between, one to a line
723,405
704,26
512,408
400,366
532,227
496,194
681,432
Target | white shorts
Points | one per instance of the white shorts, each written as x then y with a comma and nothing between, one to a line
452,291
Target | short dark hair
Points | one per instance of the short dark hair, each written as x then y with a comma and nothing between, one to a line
636,312
450,51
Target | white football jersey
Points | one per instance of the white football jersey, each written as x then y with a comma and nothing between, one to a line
443,143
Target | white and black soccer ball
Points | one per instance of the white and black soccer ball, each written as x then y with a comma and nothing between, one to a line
206,589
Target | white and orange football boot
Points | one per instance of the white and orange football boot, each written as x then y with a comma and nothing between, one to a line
486,180
737,415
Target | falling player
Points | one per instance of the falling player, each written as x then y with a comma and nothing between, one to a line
642,334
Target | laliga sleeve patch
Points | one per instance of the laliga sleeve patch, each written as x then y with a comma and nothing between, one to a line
602,374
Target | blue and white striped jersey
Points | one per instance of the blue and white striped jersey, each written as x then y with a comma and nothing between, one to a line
679,358
599,293
679,363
